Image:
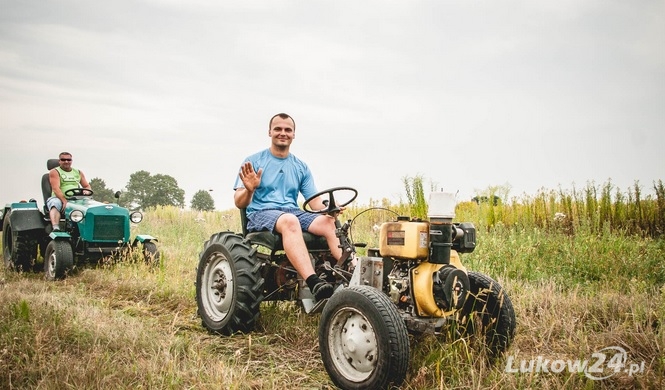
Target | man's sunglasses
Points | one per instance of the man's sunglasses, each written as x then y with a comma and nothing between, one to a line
65,159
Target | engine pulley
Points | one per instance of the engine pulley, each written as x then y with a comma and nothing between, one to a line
450,289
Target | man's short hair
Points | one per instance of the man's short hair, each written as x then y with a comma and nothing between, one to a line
283,116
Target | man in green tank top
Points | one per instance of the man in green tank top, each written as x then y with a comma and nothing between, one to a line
62,179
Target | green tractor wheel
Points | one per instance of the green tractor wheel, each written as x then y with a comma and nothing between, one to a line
151,253
59,259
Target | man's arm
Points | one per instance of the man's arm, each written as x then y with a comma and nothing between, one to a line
317,204
84,182
54,179
242,197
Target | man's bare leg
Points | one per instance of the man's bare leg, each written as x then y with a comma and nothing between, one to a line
294,245
324,226
54,214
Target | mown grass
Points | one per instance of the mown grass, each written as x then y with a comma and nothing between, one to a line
126,325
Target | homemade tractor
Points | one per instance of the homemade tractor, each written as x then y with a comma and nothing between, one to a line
414,282
89,231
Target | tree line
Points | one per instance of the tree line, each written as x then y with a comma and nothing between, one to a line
145,191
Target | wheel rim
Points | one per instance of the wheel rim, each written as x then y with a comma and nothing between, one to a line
218,287
353,344
51,261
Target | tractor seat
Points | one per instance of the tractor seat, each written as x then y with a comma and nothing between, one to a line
274,241
46,184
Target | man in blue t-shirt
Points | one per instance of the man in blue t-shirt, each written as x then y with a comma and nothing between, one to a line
268,186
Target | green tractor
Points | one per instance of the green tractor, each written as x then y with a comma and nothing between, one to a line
89,231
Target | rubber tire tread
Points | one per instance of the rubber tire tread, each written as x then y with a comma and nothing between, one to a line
498,307
248,281
389,326
151,254
22,253
64,259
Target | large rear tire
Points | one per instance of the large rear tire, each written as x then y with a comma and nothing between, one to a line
59,260
363,339
229,285
19,249
488,312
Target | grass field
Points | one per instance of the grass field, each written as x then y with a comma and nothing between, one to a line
579,286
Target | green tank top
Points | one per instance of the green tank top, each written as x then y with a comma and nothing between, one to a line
68,180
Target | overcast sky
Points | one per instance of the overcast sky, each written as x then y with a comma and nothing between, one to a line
466,94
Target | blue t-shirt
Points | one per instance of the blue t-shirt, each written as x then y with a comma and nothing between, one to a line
282,180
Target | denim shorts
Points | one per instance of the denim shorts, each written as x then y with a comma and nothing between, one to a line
54,202
266,219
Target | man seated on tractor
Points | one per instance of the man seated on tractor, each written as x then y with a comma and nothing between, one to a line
63,178
268,186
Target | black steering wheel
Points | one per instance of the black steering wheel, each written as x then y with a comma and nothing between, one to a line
346,194
73,192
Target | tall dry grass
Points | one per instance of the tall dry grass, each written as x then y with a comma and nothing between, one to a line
592,209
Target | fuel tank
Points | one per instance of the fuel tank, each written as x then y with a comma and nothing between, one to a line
404,239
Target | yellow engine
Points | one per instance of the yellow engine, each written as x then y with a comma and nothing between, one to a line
438,281
439,289
404,240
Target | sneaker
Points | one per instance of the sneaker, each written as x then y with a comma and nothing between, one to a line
323,290
56,228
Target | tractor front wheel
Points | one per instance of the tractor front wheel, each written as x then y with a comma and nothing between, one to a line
150,253
229,285
363,340
59,259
